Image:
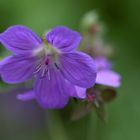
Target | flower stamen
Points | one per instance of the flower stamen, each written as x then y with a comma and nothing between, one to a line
49,76
56,66
44,71
38,68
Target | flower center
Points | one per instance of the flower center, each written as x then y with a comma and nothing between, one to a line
47,58
47,50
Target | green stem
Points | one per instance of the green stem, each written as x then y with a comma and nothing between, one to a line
55,126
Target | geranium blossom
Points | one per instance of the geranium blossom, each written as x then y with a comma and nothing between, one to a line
53,62
105,76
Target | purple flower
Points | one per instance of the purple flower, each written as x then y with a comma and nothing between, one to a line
57,68
106,76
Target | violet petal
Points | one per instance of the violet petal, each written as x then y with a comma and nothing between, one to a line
20,39
78,68
102,63
63,38
29,95
17,69
79,92
52,92
108,78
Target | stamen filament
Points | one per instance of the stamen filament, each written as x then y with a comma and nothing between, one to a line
44,71
38,68
56,65
49,76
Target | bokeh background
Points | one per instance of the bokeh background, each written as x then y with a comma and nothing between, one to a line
20,121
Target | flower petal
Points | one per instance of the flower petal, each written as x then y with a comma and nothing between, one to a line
75,91
102,63
78,68
52,92
63,38
78,92
29,95
108,78
20,40
15,69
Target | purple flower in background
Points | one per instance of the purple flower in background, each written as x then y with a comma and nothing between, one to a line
106,76
58,69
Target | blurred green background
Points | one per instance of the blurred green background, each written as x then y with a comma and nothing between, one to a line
20,121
